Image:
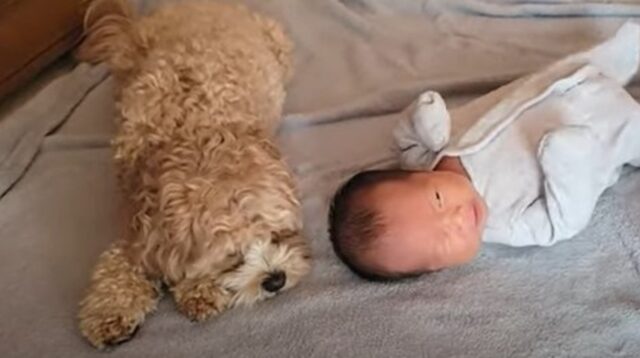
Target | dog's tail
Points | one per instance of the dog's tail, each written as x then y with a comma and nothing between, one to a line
111,36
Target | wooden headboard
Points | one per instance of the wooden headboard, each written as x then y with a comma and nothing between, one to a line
33,33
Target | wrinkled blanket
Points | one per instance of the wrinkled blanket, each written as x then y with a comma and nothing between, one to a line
359,62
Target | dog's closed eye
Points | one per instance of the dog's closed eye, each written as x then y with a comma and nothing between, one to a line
278,237
236,260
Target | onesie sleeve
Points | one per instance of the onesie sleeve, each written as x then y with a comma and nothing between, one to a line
576,172
572,170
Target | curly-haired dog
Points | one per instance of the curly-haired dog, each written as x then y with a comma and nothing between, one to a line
214,213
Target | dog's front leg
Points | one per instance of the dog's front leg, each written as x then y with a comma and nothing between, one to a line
201,298
117,301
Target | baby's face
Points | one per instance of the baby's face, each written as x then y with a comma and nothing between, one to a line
434,220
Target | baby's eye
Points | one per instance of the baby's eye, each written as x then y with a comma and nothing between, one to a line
439,198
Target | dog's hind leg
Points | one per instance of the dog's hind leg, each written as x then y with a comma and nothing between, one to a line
118,299
201,298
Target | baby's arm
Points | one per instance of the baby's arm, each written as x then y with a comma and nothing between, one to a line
575,175
531,228
423,131
571,184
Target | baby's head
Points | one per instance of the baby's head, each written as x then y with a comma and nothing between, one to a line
393,224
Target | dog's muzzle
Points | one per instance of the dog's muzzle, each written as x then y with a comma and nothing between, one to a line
275,281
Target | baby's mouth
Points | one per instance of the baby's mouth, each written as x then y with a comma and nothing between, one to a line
479,213
476,213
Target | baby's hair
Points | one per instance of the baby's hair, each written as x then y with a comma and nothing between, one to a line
354,226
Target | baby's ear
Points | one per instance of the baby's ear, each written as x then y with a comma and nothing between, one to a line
431,120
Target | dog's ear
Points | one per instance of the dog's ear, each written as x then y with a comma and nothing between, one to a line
190,220
111,37
279,43
282,236
176,218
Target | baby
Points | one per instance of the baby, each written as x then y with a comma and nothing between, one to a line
394,224
521,166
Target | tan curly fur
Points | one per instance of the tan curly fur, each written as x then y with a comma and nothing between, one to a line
213,208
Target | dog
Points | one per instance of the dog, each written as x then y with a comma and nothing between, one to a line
213,211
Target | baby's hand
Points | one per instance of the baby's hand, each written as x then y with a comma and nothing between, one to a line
423,131
431,120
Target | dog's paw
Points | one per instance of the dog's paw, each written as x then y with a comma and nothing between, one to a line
117,301
110,329
202,307
201,301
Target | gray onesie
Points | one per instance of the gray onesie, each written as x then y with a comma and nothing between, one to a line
542,149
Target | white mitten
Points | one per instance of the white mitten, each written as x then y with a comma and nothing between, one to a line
423,131
431,121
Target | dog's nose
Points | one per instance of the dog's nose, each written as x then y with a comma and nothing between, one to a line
275,281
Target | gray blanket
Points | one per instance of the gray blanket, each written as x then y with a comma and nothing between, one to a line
358,63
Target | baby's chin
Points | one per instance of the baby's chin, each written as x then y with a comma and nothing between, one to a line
462,255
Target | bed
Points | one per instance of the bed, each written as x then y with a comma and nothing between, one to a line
359,63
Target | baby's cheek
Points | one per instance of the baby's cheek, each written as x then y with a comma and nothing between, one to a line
461,249
443,248
472,246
